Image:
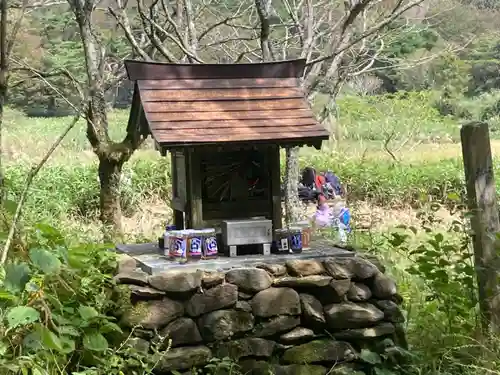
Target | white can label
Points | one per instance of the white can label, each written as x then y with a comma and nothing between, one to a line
284,244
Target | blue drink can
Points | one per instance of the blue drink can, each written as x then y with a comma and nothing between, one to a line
178,244
295,240
195,243
210,248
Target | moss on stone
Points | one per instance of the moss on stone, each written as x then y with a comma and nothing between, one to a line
319,351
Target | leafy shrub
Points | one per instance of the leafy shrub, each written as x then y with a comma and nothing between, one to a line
402,115
74,190
58,311
433,265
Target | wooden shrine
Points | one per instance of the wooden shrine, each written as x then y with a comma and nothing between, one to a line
223,125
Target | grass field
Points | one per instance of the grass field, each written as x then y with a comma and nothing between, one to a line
382,194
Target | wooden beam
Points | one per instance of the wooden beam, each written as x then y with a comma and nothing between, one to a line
194,217
482,202
275,180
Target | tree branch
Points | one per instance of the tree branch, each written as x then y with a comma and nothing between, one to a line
263,10
372,30
34,171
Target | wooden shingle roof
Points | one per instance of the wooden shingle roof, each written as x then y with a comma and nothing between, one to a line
194,104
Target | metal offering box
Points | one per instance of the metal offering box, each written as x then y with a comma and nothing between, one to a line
247,232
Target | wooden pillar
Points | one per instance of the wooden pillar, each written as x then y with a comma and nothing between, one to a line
482,202
275,177
194,217
177,201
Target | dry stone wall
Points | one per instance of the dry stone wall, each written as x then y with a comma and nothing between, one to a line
304,317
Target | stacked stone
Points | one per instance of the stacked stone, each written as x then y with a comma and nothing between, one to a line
304,317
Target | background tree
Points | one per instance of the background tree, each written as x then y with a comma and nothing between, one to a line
111,154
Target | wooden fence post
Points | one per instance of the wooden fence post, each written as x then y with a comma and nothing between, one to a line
482,203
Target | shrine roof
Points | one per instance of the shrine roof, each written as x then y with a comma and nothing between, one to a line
199,104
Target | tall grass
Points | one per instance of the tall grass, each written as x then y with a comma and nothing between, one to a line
73,190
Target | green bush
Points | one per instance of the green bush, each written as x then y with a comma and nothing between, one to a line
434,268
402,115
58,307
74,191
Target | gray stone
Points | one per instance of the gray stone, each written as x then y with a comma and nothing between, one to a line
298,370
383,329
255,367
216,298
176,281
211,279
297,335
320,351
276,325
397,298
243,306
246,347
182,331
303,282
184,358
312,310
345,369
352,315
125,263
138,344
244,296
153,314
392,312
383,287
144,334
223,324
363,268
276,301
340,287
132,277
376,262
305,267
349,268
359,292
338,268
249,279
273,269
145,292
400,336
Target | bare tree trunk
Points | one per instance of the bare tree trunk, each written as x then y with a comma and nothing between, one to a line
292,175
111,213
264,12
292,201
4,66
6,45
111,155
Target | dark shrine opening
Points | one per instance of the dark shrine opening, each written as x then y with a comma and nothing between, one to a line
235,184
230,176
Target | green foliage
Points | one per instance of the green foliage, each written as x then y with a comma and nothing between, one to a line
402,115
402,41
216,366
63,191
62,50
58,311
444,260
410,38
73,190
433,263
451,75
